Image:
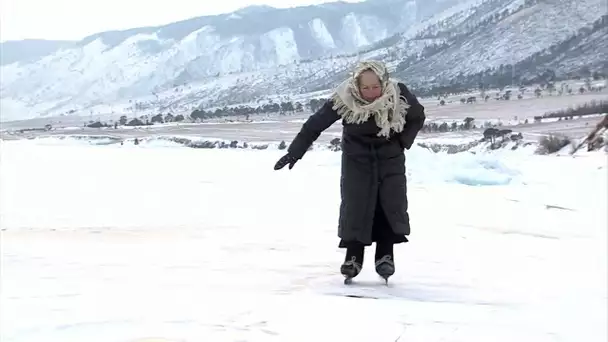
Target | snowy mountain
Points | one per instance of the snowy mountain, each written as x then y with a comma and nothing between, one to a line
260,51
29,50
506,32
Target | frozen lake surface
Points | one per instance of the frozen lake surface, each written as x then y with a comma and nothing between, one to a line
151,243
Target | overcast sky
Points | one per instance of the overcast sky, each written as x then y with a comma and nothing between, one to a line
76,19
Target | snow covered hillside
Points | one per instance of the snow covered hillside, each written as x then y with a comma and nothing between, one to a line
132,244
509,32
259,52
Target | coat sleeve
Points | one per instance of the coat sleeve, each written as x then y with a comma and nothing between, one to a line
312,128
414,119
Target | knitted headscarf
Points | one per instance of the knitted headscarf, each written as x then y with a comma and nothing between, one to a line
388,110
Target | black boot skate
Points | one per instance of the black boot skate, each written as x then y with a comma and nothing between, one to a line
352,264
350,269
385,265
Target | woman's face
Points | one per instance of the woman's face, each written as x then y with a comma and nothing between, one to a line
370,86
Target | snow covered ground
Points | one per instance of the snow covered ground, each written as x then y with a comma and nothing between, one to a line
482,111
159,243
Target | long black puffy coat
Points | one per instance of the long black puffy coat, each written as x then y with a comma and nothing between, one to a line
373,169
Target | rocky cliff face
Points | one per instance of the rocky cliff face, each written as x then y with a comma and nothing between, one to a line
262,51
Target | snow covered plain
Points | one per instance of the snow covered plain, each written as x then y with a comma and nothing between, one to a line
163,243
526,108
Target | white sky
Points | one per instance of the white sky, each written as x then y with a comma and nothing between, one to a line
76,19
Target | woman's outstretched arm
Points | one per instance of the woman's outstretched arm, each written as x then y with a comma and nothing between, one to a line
312,128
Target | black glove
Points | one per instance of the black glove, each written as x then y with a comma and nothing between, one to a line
286,159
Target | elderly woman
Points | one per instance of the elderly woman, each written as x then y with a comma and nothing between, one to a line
380,119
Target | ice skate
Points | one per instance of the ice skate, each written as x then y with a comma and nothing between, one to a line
350,269
385,267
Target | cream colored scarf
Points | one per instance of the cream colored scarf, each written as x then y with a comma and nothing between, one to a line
388,110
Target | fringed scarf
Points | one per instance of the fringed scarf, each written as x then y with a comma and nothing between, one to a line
388,110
